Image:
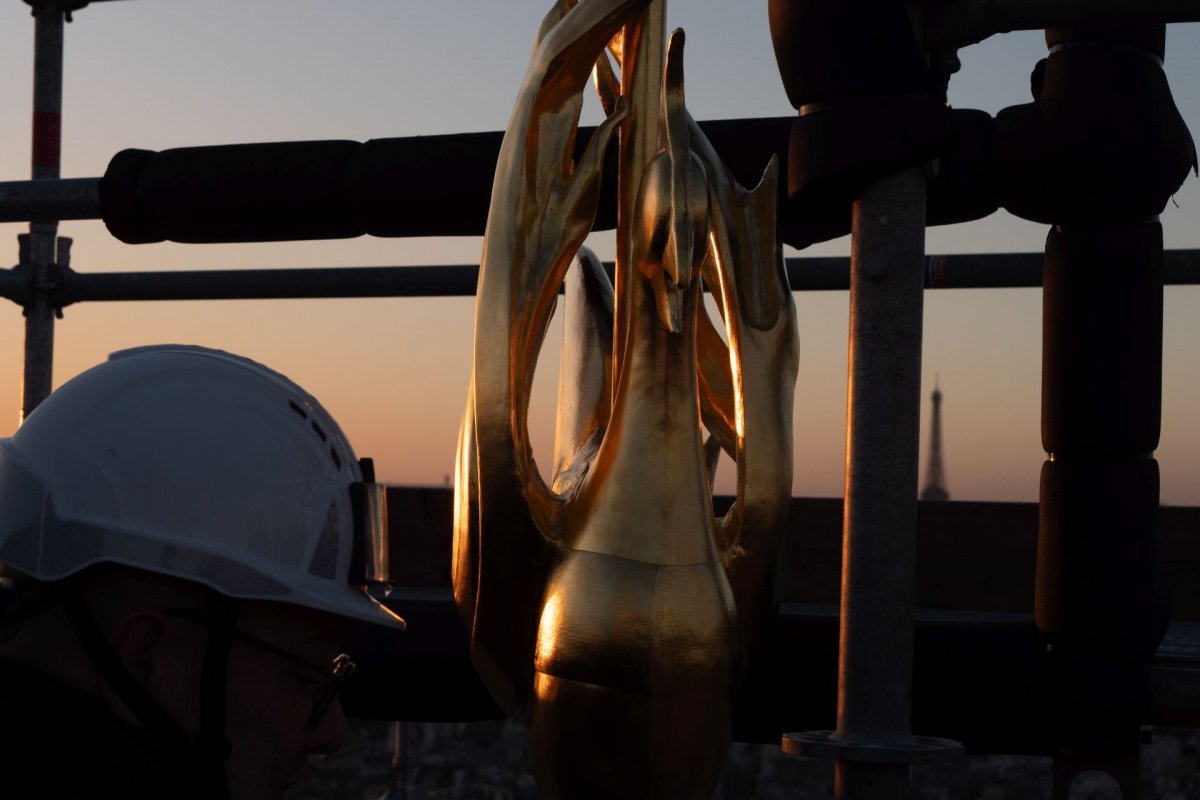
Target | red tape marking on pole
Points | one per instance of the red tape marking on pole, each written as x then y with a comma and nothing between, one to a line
47,138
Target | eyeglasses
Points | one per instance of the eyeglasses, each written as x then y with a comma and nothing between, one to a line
334,678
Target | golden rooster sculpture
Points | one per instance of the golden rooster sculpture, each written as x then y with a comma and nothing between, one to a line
610,610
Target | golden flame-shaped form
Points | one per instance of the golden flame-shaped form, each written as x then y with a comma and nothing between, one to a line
611,610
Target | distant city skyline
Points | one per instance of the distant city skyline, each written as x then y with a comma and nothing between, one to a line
172,73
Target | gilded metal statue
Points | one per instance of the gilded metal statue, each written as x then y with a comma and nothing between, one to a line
611,610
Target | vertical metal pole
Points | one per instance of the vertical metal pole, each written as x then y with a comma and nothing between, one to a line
47,144
882,439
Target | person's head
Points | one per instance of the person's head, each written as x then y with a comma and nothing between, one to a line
200,524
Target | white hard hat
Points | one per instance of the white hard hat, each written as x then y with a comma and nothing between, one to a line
198,464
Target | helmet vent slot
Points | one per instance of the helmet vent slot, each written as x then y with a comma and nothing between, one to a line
298,409
320,431
337,460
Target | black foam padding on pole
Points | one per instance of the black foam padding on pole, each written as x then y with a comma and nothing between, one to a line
834,153
1104,143
1093,706
1119,142
868,104
832,49
1097,154
441,185
249,192
1101,604
415,186
1102,303
1100,586
964,186
1023,162
120,203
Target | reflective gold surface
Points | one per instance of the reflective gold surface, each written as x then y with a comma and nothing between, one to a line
610,610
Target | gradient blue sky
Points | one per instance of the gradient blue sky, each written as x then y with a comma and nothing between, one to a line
166,73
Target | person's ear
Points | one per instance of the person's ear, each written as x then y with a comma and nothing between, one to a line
139,640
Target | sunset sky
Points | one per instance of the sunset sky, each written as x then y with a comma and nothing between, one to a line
157,74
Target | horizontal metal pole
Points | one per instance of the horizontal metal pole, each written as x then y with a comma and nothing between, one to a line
831,273
1024,270
50,200
262,284
964,22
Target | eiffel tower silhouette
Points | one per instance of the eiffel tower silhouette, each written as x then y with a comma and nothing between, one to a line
935,475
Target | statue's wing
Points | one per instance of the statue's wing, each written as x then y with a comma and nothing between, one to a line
464,550
543,206
715,376
585,372
746,265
